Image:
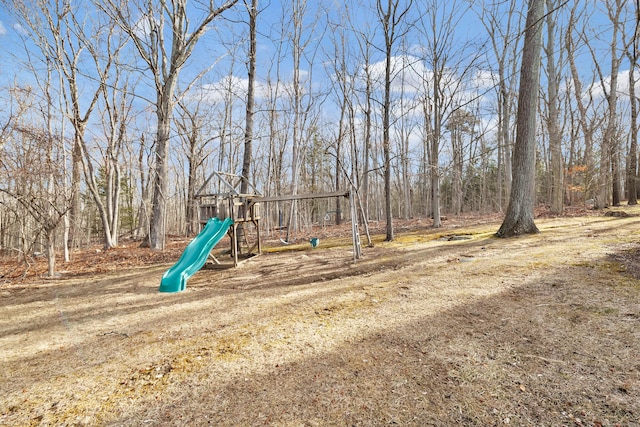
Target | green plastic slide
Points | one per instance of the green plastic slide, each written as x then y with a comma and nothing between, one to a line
194,255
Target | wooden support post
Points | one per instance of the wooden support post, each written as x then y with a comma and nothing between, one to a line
354,225
257,224
234,243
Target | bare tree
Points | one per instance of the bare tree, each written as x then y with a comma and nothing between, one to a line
231,93
104,177
83,52
586,124
405,124
276,139
144,166
252,9
609,156
461,123
305,34
58,34
632,166
503,27
343,66
519,217
364,87
164,37
553,125
31,145
190,121
449,65
391,16
341,86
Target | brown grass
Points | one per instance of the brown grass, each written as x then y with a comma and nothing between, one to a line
533,331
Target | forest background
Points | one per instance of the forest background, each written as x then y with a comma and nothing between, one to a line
113,114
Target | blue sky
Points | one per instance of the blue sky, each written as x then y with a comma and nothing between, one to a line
469,30
218,48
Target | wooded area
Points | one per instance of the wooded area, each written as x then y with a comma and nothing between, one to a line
113,113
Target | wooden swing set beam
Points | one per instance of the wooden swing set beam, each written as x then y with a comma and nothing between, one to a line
298,197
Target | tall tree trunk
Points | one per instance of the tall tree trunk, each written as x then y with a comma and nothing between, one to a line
519,217
367,144
632,175
435,151
555,138
386,144
158,223
251,77
249,112
75,213
390,16
338,172
341,133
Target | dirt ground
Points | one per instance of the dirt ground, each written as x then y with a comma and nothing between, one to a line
448,327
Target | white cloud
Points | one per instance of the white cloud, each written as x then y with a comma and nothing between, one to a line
20,29
218,91
142,28
408,73
3,30
484,79
596,91
411,76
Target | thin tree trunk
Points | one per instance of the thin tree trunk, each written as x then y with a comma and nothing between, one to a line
367,145
51,250
386,145
587,128
435,152
390,16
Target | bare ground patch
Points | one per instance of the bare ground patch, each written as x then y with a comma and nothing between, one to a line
538,330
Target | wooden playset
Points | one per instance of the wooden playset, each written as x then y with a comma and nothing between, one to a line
220,197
